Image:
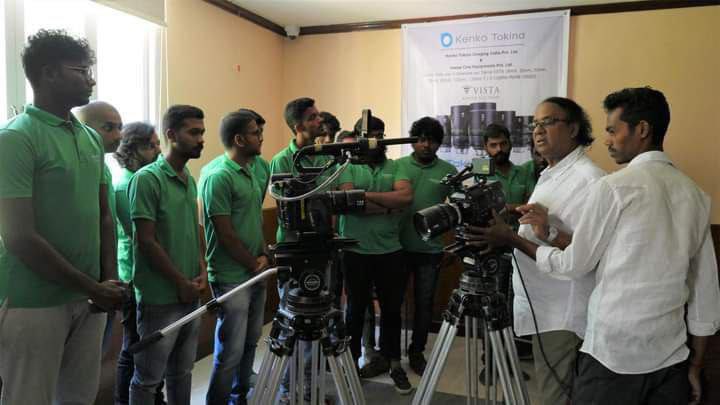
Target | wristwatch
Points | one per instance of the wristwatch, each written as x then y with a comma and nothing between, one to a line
552,234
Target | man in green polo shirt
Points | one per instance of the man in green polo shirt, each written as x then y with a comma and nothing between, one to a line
106,121
139,147
169,269
377,259
232,195
425,171
517,182
56,248
305,122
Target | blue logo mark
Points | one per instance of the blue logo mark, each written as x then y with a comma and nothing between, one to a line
446,40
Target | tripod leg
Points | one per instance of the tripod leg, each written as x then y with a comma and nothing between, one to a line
438,367
347,364
293,371
489,369
433,361
264,367
469,365
277,370
501,362
300,372
321,372
314,373
476,356
262,381
520,386
340,381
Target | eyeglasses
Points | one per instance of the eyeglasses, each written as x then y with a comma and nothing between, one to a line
85,70
545,122
109,126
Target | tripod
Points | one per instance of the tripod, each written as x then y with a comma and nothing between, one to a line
306,316
481,302
316,323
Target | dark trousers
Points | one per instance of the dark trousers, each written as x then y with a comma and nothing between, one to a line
425,268
387,272
125,363
595,384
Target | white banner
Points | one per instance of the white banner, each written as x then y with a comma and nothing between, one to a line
474,72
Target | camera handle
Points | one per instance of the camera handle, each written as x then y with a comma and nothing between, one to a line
213,304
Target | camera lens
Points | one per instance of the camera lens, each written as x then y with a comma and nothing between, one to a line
481,115
436,220
445,122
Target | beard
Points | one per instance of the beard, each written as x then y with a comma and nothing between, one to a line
377,155
501,158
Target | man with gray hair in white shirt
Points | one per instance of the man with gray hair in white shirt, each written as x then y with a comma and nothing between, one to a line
645,230
561,133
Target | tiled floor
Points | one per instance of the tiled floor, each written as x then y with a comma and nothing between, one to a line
451,381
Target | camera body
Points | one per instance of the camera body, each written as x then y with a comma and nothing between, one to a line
311,217
467,205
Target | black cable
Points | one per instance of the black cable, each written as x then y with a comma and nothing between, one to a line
566,389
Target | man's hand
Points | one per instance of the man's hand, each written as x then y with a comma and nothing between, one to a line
536,216
109,294
188,290
262,263
695,384
497,234
201,283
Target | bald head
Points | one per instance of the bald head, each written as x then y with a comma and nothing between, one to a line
103,118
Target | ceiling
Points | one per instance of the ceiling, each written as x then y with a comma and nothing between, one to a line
305,13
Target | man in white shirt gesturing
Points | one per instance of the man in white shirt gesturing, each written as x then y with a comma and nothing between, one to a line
645,230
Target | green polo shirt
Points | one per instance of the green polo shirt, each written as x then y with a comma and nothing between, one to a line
282,162
529,166
124,226
376,234
59,164
230,189
108,181
259,167
517,186
156,193
427,191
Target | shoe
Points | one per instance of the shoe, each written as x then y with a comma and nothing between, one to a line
417,363
402,385
375,368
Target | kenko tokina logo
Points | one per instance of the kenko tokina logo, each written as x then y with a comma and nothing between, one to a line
446,39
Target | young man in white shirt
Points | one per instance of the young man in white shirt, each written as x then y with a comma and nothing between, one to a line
645,229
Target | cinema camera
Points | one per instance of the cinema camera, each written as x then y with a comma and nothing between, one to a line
307,264
481,301
467,205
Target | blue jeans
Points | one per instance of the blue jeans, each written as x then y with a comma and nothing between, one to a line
172,357
237,331
425,268
125,362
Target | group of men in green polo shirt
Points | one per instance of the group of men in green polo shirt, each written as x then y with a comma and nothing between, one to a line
60,217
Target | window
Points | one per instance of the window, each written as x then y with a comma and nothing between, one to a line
3,70
127,49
